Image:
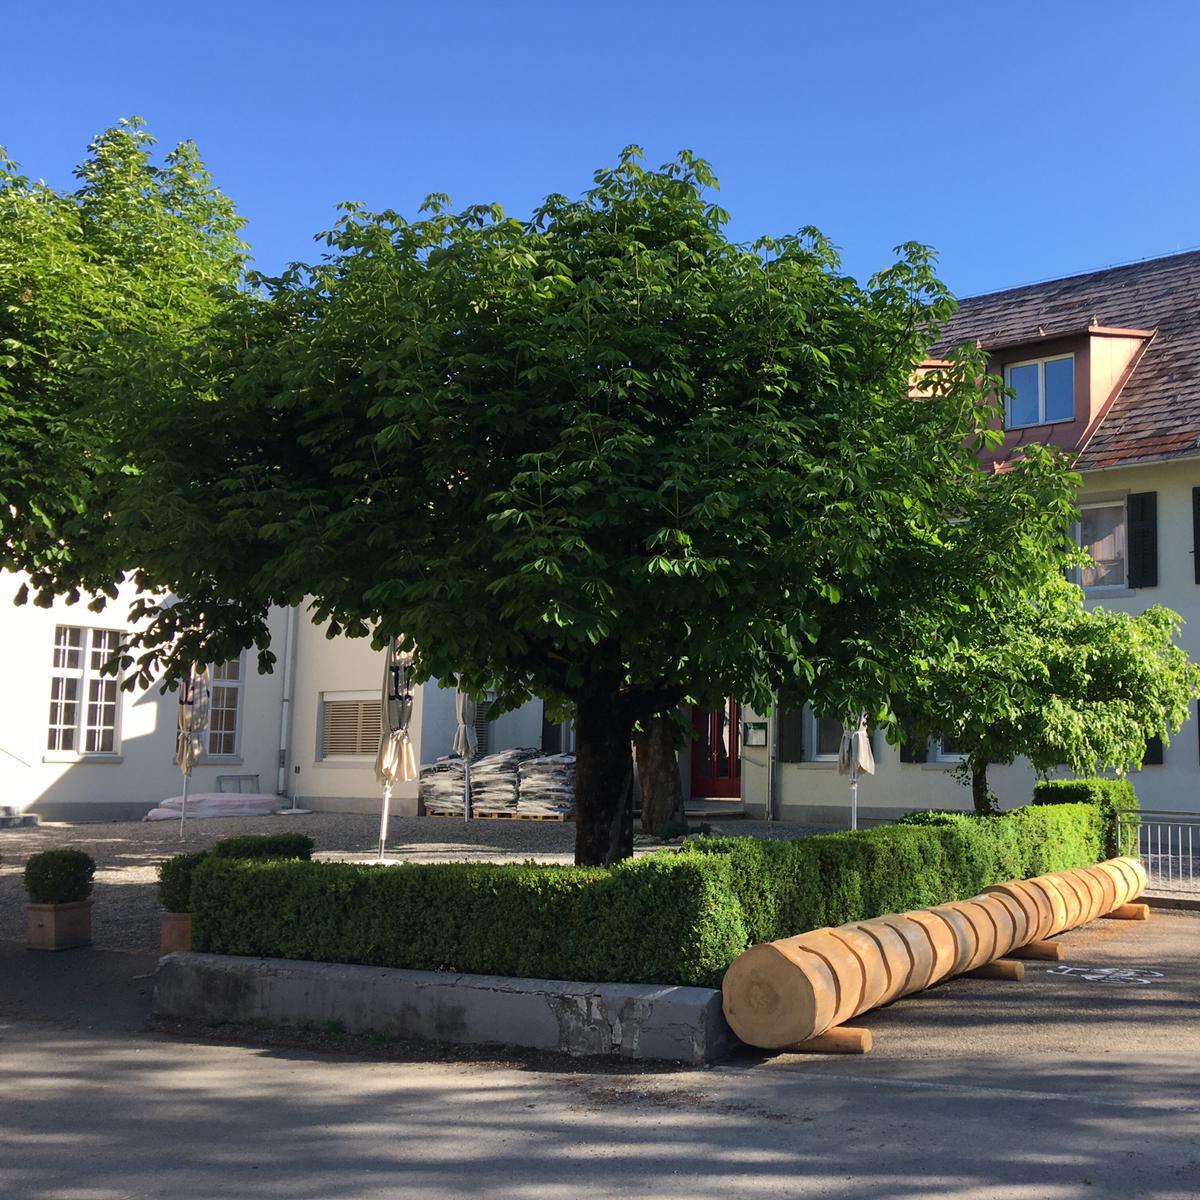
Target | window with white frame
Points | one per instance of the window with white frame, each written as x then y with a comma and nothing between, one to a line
946,749
351,724
826,738
1043,392
805,737
84,702
225,709
1102,535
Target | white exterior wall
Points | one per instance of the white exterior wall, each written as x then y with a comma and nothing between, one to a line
142,772
815,792
339,665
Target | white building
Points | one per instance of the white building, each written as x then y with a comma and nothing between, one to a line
1106,365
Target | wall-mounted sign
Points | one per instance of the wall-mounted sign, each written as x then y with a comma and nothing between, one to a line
754,733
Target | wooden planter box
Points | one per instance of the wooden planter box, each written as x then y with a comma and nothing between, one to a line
60,926
175,933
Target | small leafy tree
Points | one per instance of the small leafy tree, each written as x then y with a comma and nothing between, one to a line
1056,682
605,456
106,291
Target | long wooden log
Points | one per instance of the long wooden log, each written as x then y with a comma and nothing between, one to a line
795,990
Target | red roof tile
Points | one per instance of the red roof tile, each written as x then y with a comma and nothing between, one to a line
1157,415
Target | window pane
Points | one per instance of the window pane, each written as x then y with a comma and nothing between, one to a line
222,721
1102,535
948,748
229,670
1023,407
829,737
64,713
68,648
1060,389
104,646
100,734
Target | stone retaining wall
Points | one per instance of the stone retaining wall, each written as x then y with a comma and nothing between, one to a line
614,1020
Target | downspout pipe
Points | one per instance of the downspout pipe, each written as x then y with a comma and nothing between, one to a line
285,706
772,756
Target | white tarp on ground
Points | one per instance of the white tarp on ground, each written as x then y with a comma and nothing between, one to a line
216,804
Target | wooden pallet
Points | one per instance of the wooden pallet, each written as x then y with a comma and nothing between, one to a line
507,816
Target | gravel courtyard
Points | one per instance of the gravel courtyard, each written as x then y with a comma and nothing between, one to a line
125,915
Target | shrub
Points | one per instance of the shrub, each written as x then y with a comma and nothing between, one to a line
175,881
265,845
175,876
534,921
59,876
679,916
1115,798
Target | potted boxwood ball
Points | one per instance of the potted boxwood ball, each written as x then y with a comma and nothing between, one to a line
59,886
175,896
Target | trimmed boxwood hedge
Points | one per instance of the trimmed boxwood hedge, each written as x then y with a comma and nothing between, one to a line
674,917
1115,797
176,874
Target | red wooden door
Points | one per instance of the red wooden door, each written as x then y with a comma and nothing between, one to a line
717,751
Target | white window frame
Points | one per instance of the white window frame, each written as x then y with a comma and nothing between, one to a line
1077,572
813,728
1040,363
342,760
238,687
87,675
942,755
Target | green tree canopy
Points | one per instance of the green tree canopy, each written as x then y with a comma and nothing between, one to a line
1062,684
605,455
105,292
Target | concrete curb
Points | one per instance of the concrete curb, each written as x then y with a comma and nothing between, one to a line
1187,902
613,1020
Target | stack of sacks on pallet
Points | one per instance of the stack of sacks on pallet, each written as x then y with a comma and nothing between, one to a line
495,780
782,993
442,787
547,786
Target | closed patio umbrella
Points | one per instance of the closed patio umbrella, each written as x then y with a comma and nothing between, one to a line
855,758
466,741
194,698
396,759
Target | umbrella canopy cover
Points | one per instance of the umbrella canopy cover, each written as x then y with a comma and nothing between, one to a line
396,759
466,742
854,754
194,698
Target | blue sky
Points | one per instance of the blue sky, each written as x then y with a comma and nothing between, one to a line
1022,140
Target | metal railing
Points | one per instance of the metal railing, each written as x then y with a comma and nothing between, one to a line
1168,845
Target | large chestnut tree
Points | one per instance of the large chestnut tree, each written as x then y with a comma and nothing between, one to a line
604,455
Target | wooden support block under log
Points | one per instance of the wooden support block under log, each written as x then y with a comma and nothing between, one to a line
1001,968
1046,951
841,1039
1129,912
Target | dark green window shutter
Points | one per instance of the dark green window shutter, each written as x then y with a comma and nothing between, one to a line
912,750
1142,519
1196,532
789,724
1154,753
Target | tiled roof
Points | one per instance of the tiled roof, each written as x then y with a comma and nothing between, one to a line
1157,415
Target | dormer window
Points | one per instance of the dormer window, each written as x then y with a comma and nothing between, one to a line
1044,392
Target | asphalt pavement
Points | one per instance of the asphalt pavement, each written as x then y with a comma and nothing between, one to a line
1083,1080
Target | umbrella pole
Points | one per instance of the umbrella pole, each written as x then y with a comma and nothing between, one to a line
466,791
853,797
183,809
383,820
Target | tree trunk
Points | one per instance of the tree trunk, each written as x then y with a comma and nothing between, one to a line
603,778
658,774
980,794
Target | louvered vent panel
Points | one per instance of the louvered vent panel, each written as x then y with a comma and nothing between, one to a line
351,727
483,727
